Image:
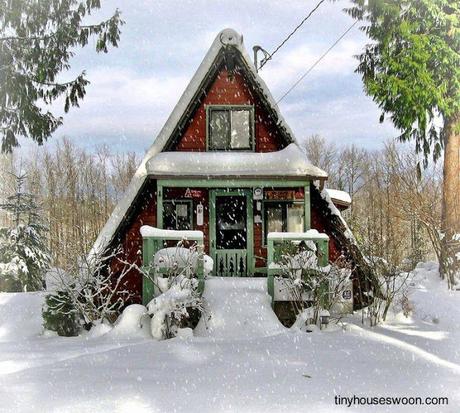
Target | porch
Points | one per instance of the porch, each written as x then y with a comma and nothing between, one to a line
156,240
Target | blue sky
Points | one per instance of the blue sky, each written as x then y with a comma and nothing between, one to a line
135,87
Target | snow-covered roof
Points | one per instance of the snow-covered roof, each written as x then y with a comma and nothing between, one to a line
339,197
290,161
227,37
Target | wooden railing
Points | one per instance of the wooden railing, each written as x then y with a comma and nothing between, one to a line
275,242
153,240
231,263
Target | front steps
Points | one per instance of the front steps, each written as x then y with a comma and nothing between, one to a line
237,308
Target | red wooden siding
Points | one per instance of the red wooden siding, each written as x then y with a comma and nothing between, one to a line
231,90
318,222
144,212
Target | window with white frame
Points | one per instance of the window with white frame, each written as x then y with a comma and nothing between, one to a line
283,216
230,128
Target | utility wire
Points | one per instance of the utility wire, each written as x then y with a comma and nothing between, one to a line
290,35
317,61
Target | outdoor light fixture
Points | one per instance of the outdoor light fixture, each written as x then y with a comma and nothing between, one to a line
324,317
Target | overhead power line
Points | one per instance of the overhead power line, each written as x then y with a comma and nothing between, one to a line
290,35
317,61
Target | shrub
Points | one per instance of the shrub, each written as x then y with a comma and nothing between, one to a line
60,314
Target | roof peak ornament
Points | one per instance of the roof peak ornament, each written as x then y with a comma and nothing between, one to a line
229,37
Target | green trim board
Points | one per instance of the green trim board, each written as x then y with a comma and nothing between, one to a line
149,248
235,182
249,226
159,205
307,201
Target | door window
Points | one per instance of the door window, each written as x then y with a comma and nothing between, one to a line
231,223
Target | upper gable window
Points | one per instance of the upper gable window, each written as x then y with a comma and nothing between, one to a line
230,128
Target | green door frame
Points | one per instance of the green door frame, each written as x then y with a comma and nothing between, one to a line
213,193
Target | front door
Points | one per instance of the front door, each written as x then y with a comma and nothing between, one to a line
231,232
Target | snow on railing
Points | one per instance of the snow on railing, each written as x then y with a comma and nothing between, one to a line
297,240
154,240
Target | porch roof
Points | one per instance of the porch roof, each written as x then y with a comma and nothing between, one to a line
338,197
288,162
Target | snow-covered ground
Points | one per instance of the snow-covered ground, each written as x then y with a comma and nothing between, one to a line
274,369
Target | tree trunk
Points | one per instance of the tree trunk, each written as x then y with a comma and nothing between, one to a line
450,266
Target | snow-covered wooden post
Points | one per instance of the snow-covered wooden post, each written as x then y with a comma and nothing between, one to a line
323,251
271,271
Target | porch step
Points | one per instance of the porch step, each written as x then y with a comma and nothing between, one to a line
237,307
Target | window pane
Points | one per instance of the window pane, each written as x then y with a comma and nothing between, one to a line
169,216
241,131
219,129
295,218
183,216
274,218
231,223
177,215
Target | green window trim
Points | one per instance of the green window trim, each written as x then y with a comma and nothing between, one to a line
249,108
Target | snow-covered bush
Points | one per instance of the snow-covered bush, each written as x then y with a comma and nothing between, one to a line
170,308
389,286
313,288
92,290
24,255
177,257
133,322
178,287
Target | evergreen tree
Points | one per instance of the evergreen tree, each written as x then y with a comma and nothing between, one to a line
37,40
24,256
412,70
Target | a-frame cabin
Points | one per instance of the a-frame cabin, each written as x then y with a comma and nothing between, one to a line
226,163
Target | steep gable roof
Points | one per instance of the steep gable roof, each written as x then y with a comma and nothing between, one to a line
228,44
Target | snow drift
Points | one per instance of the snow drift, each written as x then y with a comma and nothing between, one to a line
20,315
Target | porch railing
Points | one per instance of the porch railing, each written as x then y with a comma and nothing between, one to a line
153,240
231,263
275,241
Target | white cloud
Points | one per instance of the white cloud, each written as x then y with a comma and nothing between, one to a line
287,68
121,102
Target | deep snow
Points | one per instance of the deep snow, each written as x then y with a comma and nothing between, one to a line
282,371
